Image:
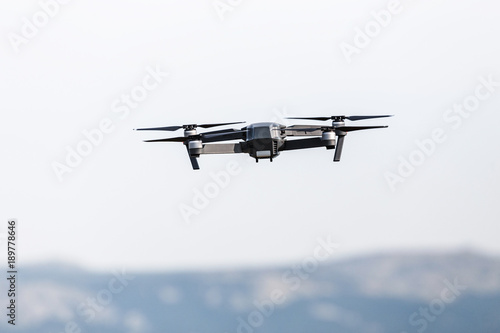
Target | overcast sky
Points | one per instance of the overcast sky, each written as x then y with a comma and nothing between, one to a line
69,69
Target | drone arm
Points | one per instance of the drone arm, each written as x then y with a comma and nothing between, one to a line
302,133
222,148
223,136
303,144
302,130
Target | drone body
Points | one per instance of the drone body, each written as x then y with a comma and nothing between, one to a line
264,140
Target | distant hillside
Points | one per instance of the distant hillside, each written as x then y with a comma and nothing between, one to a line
445,293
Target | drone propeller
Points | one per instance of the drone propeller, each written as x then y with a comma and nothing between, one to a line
331,128
340,131
177,139
197,139
337,127
229,134
340,118
186,127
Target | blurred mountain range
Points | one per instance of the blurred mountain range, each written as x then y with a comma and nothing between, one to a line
426,292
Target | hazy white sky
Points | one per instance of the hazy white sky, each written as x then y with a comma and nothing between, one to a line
70,72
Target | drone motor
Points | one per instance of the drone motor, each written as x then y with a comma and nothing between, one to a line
329,138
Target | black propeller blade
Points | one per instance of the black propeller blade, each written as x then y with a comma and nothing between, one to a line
353,118
215,136
309,118
328,128
189,126
357,128
219,124
177,139
168,128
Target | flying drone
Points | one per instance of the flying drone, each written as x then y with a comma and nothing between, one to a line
264,140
